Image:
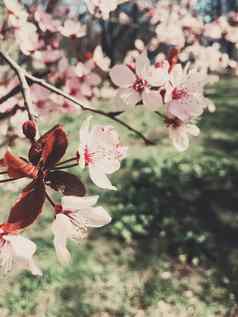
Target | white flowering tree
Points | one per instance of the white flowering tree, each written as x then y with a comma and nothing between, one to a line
71,57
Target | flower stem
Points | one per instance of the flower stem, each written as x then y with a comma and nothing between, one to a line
68,161
50,200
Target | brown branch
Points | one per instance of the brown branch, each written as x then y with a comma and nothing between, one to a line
10,94
111,115
27,79
124,124
25,89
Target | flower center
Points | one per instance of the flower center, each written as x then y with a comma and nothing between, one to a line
179,93
140,84
87,156
172,122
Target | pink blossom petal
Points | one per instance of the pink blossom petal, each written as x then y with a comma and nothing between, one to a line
127,97
186,108
152,100
122,76
158,77
142,65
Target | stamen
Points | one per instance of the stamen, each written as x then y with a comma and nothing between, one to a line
50,200
76,158
179,93
63,167
139,85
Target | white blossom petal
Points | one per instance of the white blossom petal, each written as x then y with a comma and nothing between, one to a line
76,203
179,138
95,217
62,229
192,129
23,248
177,75
99,178
142,65
108,166
157,77
21,251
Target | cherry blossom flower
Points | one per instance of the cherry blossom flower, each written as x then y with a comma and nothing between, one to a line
101,151
45,57
16,251
185,98
179,132
45,20
135,84
73,220
15,8
73,29
27,37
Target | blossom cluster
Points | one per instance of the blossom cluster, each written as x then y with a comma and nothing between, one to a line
165,87
42,35
69,63
100,151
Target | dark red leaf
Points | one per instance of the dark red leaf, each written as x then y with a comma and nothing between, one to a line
50,148
28,206
16,167
66,183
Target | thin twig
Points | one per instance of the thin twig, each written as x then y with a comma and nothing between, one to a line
24,84
10,94
111,116
160,114
124,124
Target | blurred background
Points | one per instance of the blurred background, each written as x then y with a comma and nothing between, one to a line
171,249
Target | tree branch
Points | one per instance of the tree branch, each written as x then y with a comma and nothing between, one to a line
25,89
10,94
111,115
27,79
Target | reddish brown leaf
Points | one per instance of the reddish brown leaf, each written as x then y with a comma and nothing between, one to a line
49,148
16,167
28,206
66,183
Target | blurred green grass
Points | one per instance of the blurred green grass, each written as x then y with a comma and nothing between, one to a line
172,246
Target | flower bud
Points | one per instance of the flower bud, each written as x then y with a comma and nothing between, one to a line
29,129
